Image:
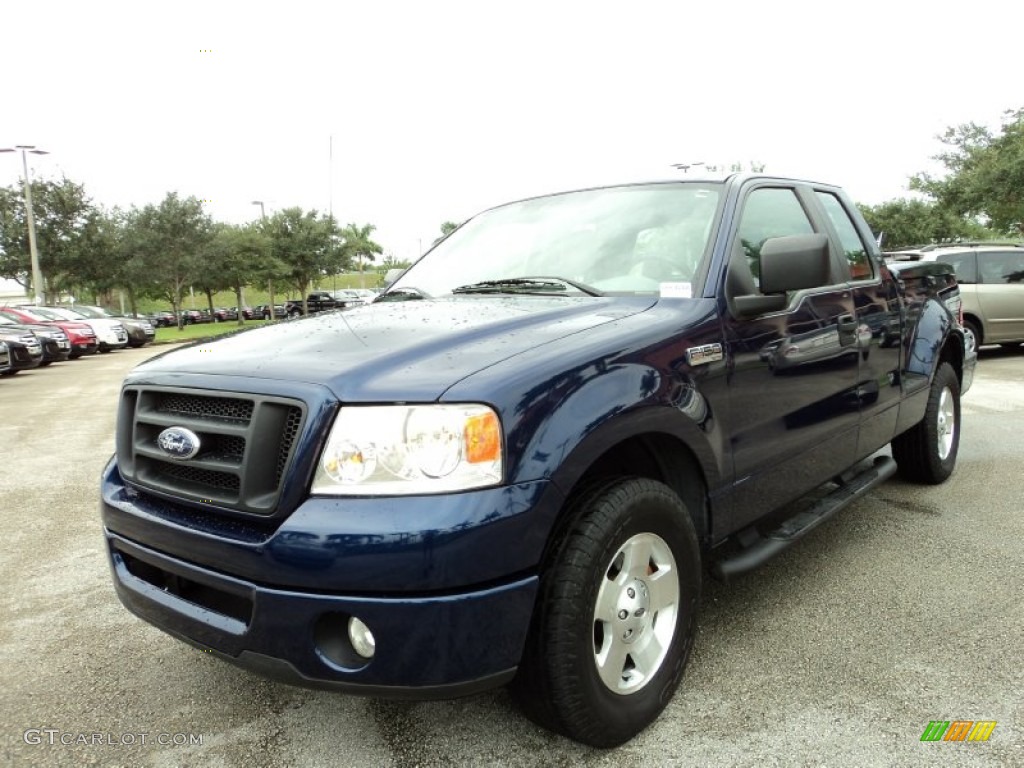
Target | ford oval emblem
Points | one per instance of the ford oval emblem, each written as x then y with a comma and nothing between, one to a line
178,443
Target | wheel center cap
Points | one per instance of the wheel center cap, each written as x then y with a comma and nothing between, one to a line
633,610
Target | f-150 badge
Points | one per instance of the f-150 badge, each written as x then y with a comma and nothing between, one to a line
707,353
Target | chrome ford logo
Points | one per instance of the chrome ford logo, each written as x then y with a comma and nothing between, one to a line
178,442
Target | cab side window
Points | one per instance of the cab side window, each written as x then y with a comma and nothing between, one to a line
853,247
769,212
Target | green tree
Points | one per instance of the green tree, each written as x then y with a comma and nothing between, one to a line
304,243
235,257
448,227
984,174
905,223
171,239
358,244
67,233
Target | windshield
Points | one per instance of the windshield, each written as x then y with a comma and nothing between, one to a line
92,312
59,313
38,314
619,240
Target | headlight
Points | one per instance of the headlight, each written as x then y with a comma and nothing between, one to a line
410,449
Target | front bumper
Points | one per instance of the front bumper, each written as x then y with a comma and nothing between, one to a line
449,602
110,339
426,647
79,348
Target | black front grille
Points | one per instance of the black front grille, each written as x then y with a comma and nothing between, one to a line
190,475
246,444
288,435
222,408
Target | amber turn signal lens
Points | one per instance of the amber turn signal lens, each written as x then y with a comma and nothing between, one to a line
483,438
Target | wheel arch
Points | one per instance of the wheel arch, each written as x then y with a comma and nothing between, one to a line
975,320
642,448
937,339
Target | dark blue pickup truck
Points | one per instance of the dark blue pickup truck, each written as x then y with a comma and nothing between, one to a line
519,463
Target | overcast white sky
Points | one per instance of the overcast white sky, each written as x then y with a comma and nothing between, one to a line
438,109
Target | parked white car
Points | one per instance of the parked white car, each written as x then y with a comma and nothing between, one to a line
110,333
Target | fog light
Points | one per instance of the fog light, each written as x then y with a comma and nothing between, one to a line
361,638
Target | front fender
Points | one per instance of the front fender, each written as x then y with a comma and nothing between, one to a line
619,403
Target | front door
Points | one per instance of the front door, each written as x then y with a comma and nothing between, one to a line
794,410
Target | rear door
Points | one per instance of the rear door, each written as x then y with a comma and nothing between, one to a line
879,325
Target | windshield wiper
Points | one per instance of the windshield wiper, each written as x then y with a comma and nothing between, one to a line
401,294
543,284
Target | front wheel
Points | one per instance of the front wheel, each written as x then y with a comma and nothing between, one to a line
926,452
615,616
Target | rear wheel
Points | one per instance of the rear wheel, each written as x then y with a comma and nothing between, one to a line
927,451
975,329
615,617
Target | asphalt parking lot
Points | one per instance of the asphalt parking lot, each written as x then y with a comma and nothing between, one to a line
907,608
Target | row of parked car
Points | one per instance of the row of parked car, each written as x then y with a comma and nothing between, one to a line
166,318
32,336
317,301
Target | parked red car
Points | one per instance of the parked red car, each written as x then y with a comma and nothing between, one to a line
81,335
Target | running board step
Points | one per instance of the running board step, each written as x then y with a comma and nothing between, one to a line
793,529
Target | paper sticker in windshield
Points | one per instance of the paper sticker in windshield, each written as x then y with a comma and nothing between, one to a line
676,290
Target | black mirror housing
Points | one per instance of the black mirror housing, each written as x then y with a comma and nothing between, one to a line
793,263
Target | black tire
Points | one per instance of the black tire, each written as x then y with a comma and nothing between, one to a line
926,453
975,329
561,683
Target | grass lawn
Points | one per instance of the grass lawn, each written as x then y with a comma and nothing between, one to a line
201,331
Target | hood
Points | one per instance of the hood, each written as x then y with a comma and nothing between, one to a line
394,351
39,329
102,323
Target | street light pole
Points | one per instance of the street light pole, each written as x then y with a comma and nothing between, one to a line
37,273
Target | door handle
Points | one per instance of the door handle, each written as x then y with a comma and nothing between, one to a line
847,330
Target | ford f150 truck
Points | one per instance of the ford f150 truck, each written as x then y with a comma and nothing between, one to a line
317,301
520,462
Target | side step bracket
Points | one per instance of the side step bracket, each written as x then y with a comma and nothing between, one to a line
793,529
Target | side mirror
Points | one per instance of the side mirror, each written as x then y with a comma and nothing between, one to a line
789,263
793,263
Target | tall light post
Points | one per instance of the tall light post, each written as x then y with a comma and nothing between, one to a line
37,273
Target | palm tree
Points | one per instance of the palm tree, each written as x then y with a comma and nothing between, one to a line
359,244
